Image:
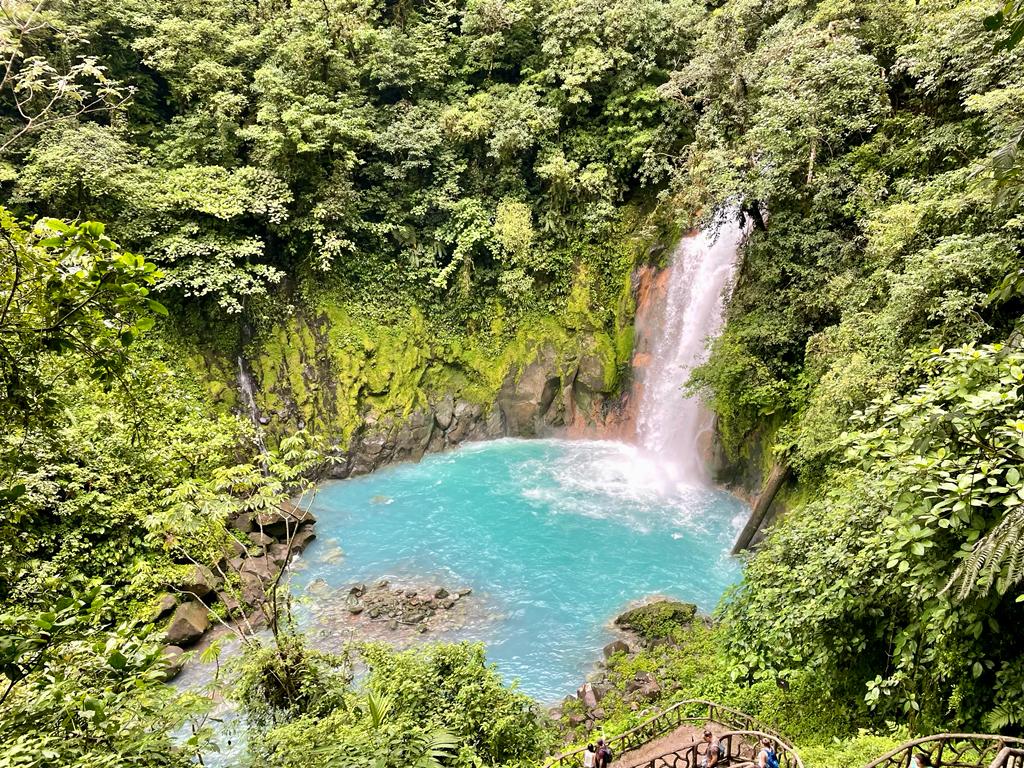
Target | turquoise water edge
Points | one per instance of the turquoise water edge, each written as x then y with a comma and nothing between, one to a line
554,537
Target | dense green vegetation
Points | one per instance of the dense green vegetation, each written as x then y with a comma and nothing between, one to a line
893,239
421,193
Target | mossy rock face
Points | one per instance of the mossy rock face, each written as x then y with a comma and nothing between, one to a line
658,619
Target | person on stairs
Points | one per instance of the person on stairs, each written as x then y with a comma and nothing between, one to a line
604,755
590,757
767,757
713,753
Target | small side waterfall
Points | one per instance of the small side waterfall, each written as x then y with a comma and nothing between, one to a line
245,389
674,428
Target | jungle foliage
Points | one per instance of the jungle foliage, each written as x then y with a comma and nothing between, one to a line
477,159
874,341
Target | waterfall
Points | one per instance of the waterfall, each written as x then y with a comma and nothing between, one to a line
674,428
245,389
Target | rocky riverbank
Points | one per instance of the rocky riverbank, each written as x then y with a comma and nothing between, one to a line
233,590
614,687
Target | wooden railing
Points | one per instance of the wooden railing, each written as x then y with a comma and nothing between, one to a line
958,750
687,711
1009,757
740,747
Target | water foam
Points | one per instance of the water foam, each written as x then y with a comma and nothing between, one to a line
674,428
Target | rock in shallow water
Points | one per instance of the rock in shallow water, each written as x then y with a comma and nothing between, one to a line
657,619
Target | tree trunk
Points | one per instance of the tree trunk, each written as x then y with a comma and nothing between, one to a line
778,475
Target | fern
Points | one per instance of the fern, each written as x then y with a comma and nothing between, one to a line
997,559
1004,715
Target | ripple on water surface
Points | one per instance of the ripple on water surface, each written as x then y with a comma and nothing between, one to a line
555,538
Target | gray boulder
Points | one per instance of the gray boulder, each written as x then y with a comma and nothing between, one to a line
302,539
189,622
590,373
284,520
198,580
174,657
588,696
242,522
261,568
445,412
260,539
616,646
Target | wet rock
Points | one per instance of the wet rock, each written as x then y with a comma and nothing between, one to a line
590,373
302,539
173,656
441,593
279,554
616,646
465,591
189,622
353,605
445,412
358,590
413,436
526,394
465,422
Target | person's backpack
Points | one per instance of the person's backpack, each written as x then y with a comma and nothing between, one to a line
607,756
771,759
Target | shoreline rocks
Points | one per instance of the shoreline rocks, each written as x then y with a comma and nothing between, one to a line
645,626
262,545
401,605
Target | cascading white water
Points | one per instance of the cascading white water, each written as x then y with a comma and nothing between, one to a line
245,389
673,427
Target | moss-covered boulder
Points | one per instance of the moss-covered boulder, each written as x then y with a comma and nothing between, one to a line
658,619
